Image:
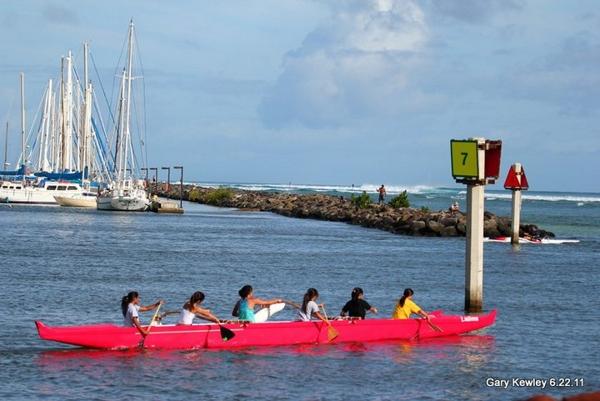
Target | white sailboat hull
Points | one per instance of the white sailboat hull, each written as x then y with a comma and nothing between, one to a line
76,201
17,193
135,202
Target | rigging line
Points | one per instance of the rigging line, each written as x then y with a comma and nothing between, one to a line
10,106
109,104
145,115
29,135
102,134
112,92
137,122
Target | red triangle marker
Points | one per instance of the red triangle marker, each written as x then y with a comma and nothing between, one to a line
512,180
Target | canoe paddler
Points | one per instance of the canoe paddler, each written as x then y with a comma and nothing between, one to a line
406,307
192,308
310,308
247,302
357,306
130,306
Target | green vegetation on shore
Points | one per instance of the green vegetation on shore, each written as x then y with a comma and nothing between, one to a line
363,201
216,197
400,200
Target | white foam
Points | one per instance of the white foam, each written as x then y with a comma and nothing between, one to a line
548,197
428,191
369,188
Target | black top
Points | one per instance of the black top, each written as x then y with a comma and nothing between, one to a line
356,308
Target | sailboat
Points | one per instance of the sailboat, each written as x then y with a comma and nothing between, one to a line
20,188
86,197
125,192
61,161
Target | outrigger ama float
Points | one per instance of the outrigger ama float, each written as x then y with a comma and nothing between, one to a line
274,333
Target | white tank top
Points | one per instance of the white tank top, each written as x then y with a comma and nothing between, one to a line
186,317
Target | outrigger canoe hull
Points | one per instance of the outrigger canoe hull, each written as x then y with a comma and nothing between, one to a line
109,336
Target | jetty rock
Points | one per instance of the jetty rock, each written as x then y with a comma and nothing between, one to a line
407,221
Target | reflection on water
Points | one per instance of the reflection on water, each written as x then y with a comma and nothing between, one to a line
473,350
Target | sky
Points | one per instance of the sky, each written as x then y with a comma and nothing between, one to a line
332,91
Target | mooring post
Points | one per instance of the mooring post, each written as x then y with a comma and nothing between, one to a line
474,249
475,162
516,208
180,186
516,181
168,187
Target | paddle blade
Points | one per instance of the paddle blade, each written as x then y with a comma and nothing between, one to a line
332,334
226,334
434,327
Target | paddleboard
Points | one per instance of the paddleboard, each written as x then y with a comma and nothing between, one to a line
543,241
265,313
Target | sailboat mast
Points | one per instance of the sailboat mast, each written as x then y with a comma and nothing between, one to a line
128,103
45,131
85,63
5,165
68,113
23,161
62,163
120,133
85,144
54,148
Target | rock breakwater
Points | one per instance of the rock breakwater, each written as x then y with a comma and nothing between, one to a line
407,221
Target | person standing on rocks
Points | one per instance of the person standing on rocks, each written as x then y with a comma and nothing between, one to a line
382,193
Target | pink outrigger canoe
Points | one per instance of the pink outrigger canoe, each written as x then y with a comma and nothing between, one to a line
274,333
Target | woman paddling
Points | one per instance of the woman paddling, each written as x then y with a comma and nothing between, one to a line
310,308
357,306
406,307
244,309
130,306
192,308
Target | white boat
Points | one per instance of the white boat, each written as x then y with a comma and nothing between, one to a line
83,199
17,192
125,192
125,199
545,241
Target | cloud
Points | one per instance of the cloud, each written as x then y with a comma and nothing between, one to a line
56,14
568,77
472,11
356,63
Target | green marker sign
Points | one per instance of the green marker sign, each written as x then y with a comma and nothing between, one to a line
465,163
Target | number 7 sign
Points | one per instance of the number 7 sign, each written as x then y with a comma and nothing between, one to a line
465,158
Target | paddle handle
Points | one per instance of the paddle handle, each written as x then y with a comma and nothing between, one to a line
154,318
325,314
288,302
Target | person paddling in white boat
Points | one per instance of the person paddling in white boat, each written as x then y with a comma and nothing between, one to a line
193,308
310,308
130,306
244,308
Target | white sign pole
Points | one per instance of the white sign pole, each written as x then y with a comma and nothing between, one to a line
516,208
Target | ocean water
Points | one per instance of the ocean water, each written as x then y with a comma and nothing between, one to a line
69,266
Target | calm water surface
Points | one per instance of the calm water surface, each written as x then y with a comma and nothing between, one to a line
72,266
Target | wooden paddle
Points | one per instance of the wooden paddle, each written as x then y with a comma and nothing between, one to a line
434,327
226,334
295,305
332,333
150,325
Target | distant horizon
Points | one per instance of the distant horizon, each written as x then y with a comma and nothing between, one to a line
493,187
